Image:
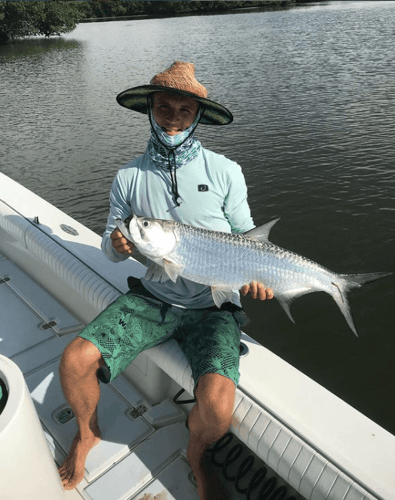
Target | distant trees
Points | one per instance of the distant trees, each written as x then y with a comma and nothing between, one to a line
54,17
19,19
109,8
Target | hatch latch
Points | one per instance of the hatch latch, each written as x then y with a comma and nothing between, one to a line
136,412
47,326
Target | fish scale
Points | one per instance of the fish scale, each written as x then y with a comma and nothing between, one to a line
227,262
246,260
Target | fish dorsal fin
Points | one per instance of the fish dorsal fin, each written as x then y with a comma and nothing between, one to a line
261,233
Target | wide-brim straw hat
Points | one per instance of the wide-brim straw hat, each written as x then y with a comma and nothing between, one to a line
178,79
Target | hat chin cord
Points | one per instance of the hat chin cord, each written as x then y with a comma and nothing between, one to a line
171,151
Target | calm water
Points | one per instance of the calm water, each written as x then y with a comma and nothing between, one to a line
313,93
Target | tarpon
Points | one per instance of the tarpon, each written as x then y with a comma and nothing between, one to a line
226,262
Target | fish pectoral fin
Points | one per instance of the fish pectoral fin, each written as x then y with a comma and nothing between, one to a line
172,269
169,270
155,272
221,295
261,233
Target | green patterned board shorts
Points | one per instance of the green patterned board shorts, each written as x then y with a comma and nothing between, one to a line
209,338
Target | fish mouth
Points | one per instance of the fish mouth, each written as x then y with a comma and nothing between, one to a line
128,219
124,228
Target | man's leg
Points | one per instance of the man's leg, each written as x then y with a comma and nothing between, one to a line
80,384
208,421
116,334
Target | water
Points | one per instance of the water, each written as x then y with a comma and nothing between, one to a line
312,91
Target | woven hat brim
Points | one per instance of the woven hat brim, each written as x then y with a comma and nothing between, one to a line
136,99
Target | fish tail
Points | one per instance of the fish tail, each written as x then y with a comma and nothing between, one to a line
357,280
346,283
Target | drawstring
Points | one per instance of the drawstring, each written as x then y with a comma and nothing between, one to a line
173,176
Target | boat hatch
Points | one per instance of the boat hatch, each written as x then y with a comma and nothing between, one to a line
23,296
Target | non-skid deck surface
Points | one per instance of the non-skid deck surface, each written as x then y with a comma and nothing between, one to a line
142,454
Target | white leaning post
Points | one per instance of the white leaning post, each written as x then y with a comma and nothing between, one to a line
27,467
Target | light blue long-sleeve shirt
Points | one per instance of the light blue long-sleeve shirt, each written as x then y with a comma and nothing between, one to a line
213,193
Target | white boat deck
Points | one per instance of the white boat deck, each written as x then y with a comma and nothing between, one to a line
52,283
41,329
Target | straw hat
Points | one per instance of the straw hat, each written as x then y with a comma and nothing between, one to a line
179,79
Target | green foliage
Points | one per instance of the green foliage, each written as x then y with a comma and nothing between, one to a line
54,17
20,19
116,8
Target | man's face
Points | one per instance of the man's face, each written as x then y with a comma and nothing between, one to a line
174,113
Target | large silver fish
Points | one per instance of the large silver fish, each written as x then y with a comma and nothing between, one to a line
227,262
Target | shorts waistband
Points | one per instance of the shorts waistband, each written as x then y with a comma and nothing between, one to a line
137,288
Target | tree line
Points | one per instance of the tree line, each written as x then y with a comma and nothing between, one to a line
119,8
21,18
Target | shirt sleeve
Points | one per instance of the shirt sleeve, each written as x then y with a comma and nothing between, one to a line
120,208
236,208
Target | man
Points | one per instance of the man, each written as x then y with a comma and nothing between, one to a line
175,179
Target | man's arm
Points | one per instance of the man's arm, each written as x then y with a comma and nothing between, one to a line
114,245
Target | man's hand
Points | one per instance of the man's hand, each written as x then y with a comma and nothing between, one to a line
257,291
120,243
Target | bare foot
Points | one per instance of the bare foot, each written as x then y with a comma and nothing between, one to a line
73,469
215,489
208,482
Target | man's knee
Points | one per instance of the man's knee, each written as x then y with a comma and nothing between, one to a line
81,356
215,396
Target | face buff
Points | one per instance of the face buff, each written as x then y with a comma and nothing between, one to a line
172,152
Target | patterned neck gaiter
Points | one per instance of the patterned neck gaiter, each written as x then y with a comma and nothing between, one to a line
172,152
182,147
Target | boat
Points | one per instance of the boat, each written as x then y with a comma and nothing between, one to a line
54,279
